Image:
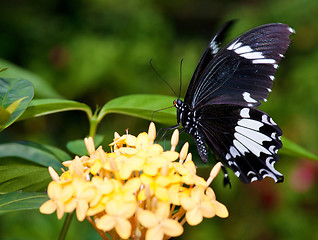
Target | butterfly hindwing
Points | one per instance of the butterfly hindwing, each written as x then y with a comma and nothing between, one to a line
246,139
243,71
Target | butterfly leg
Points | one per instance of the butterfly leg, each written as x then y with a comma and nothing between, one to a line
166,130
226,180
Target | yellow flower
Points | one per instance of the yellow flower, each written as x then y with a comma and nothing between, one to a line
117,217
219,208
138,190
197,205
83,194
158,223
58,195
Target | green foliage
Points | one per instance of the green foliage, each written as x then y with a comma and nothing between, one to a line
42,87
41,107
15,95
142,106
17,201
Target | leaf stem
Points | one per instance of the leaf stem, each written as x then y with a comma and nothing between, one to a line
66,225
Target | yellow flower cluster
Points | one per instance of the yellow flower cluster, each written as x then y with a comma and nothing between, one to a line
136,191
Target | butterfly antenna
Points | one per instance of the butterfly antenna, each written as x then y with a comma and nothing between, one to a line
153,113
161,77
180,80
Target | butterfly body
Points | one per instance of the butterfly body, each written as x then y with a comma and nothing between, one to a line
219,106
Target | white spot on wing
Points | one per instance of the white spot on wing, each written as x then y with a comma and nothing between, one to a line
254,147
291,30
214,47
253,178
245,113
252,55
273,135
270,164
244,49
234,45
251,134
250,123
272,121
272,148
240,147
266,173
247,97
228,156
265,119
234,152
264,61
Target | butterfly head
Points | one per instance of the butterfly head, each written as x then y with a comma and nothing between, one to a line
177,103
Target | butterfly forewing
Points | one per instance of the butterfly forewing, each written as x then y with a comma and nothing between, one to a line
209,53
243,71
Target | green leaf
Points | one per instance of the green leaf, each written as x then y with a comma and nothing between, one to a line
40,107
58,153
292,149
15,95
17,201
30,152
78,146
143,106
42,87
23,166
17,174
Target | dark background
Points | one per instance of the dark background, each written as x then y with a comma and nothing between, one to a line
93,51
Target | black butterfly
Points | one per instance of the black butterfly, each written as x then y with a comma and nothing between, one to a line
219,106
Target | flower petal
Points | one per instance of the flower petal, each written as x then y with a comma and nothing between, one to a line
147,218
54,190
171,227
81,210
207,209
155,233
106,223
123,228
163,210
187,203
220,209
194,216
48,207
132,185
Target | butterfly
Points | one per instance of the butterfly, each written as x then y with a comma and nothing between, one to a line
219,107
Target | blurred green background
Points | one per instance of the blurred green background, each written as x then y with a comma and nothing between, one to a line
94,50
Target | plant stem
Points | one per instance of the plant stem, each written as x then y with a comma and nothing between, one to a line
93,123
66,225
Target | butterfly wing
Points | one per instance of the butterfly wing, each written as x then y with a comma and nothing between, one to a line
210,52
246,140
243,71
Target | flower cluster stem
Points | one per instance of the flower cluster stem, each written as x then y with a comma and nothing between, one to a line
101,233
66,225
